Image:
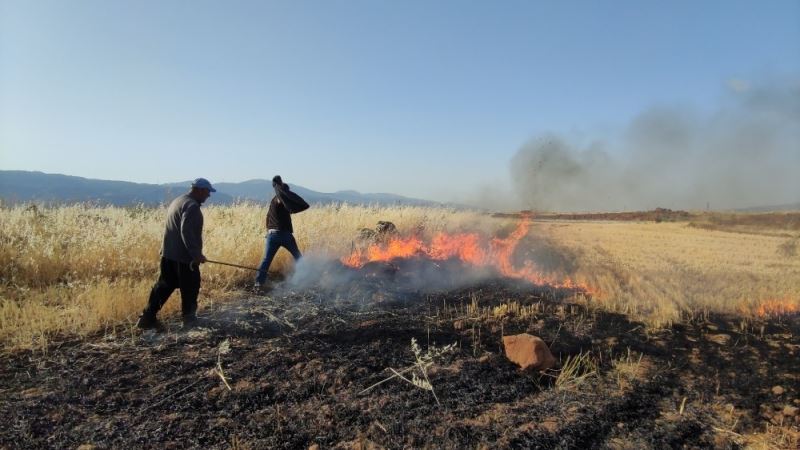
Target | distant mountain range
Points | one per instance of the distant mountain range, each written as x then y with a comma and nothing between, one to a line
17,186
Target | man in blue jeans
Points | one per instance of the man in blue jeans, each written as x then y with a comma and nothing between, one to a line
279,226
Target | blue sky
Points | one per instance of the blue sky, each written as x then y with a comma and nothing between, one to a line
429,99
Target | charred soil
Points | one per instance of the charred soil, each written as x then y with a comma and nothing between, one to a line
299,366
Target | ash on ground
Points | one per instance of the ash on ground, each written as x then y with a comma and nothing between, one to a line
314,361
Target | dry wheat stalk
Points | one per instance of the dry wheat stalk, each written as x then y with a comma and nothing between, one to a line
223,349
422,362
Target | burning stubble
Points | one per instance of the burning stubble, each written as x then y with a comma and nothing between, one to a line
446,260
744,154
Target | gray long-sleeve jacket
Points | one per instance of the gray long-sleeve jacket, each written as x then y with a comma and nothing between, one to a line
183,237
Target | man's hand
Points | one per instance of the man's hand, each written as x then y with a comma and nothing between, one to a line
199,260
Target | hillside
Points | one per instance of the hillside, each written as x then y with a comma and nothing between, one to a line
18,186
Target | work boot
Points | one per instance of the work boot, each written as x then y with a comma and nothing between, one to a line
190,322
148,322
260,288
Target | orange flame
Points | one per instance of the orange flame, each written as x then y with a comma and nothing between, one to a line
776,307
468,248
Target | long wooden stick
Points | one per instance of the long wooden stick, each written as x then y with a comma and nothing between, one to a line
232,265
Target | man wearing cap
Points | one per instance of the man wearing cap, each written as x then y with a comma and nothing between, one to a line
181,256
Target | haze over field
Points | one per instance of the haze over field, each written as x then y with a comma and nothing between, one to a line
744,153
559,106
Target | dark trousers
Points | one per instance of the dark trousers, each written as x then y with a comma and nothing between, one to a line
276,240
175,275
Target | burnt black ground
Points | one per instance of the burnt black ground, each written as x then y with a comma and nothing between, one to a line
299,358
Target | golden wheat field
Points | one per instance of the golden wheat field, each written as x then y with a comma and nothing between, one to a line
74,270
662,272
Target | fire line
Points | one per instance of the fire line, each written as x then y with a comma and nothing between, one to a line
469,248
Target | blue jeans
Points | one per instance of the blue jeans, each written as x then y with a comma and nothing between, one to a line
276,240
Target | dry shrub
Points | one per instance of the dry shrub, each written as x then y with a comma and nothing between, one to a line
629,369
575,370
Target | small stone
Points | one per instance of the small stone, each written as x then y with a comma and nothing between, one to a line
778,390
313,447
528,352
721,339
790,411
550,425
485,358
528,427
712,327
796,401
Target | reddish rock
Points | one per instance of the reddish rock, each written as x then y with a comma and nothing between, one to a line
528,352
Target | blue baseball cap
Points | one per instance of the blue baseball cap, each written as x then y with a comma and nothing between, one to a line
202,183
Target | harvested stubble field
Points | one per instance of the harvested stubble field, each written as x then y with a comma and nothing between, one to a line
639,366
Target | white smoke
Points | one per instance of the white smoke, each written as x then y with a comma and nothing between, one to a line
405,275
